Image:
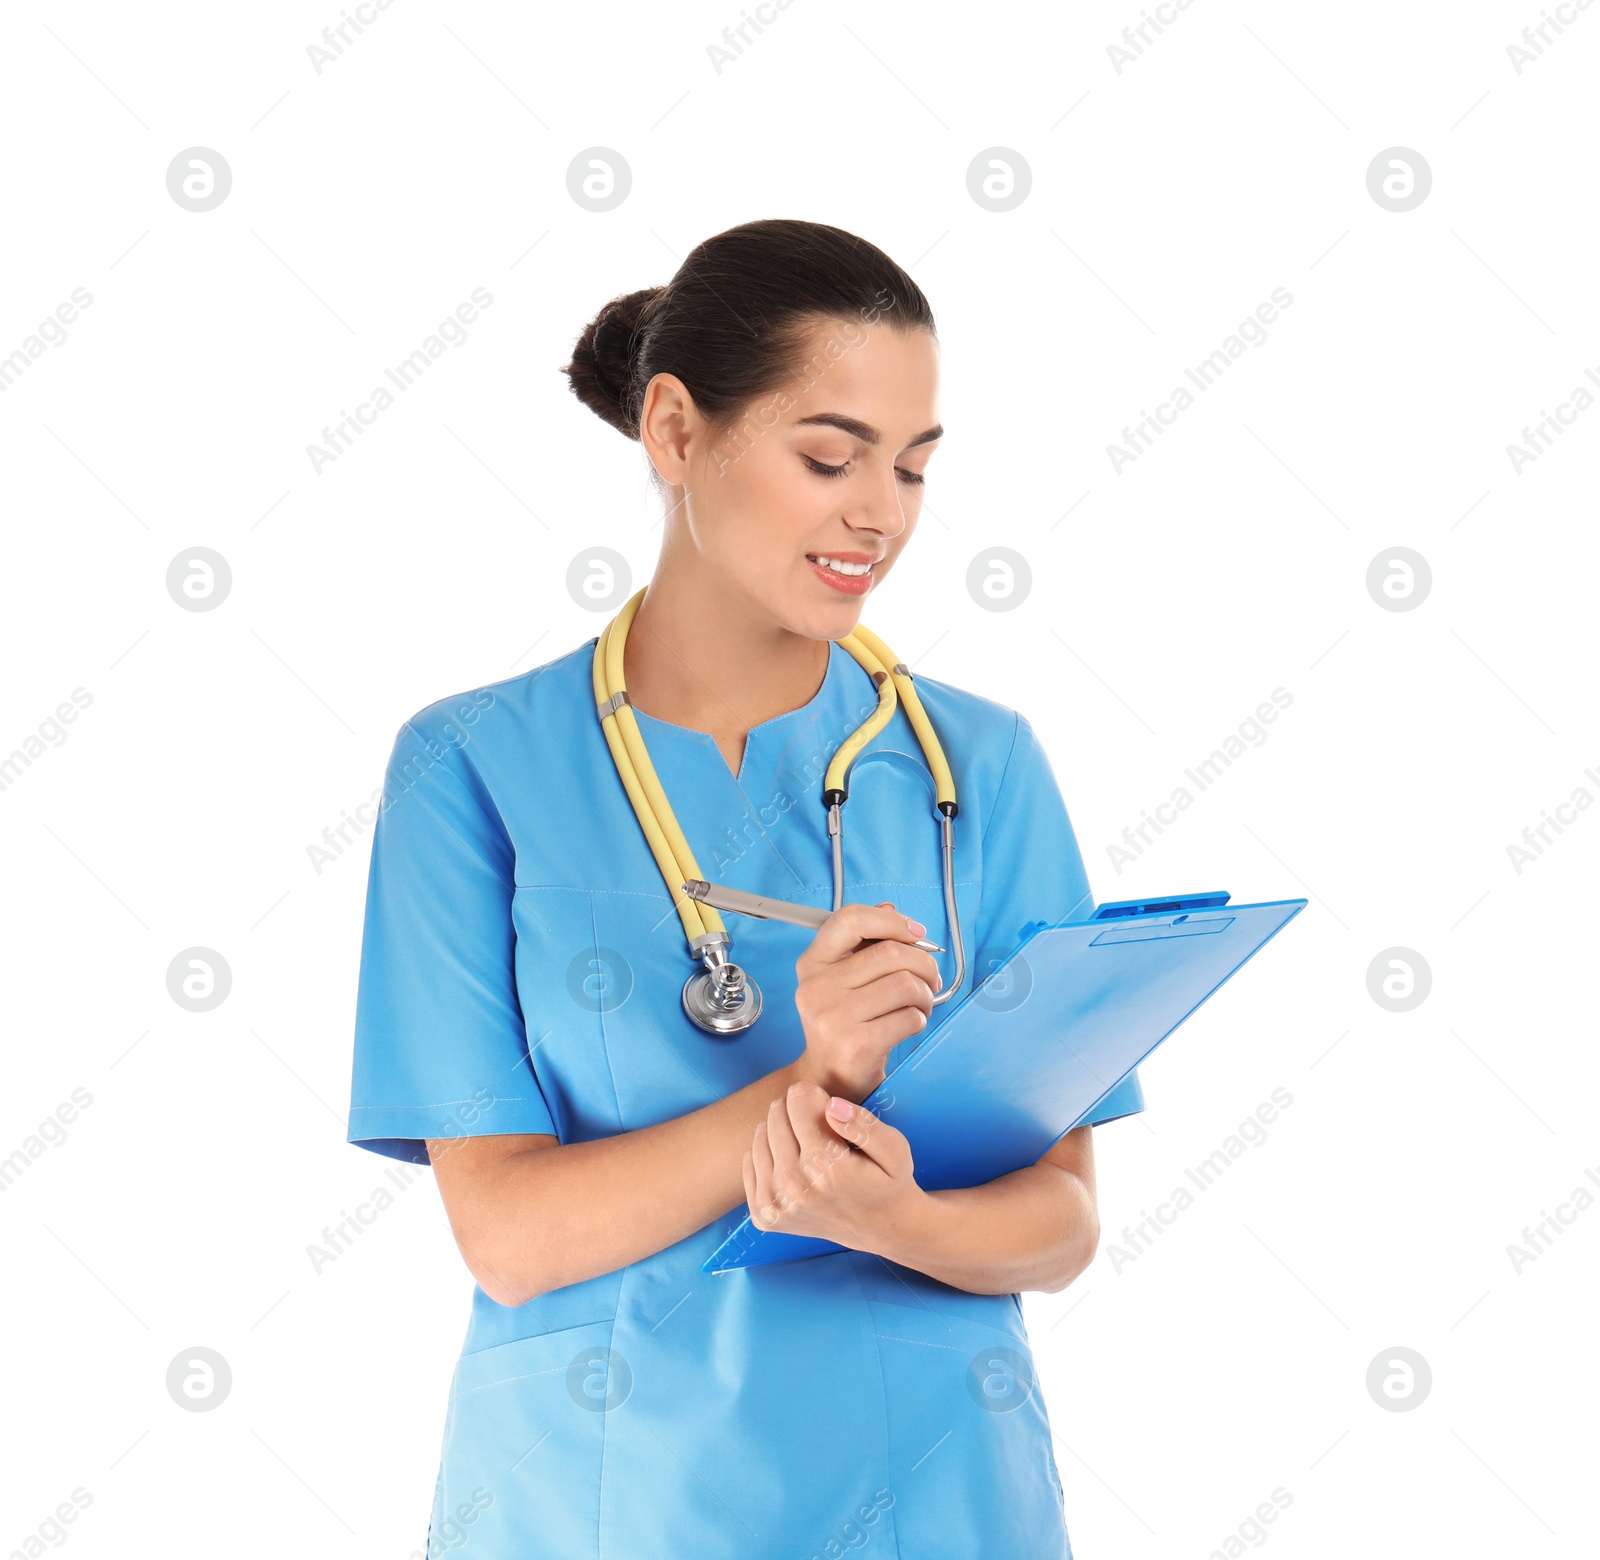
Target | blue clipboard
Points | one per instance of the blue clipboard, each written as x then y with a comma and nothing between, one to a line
1046,1036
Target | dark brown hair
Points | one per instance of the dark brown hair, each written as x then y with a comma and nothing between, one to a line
731,323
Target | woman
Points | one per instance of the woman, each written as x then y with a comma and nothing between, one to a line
519,1019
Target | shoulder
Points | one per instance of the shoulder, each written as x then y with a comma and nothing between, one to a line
973,720
501,721
988,744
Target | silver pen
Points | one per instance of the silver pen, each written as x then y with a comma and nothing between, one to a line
720,897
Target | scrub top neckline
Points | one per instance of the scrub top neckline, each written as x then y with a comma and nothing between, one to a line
825,691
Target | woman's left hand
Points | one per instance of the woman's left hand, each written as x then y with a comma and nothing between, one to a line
811,1171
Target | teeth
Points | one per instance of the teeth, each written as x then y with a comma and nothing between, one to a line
845,568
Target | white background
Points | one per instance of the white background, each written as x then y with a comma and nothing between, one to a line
1168,200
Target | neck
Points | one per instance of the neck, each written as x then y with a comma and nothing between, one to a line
711,661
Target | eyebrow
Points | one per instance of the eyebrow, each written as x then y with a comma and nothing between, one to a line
865,431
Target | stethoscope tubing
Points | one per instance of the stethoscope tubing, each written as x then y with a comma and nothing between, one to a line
707,936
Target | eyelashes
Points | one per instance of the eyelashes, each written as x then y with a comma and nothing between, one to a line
910,478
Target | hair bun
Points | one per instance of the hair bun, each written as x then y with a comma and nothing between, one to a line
606,356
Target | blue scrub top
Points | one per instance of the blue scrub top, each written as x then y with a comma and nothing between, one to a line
521,966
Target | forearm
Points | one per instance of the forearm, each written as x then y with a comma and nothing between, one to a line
1036,1228
547,1217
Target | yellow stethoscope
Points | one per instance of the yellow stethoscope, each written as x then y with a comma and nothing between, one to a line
721,999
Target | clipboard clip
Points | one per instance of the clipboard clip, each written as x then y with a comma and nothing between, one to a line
1118,908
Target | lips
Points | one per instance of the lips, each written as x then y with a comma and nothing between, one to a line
845,584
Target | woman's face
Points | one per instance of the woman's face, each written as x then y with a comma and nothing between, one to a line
830,466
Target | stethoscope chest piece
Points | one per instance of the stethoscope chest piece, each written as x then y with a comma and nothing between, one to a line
720,999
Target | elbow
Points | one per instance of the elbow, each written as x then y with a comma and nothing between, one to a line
1078,1252
505,1278
502,1293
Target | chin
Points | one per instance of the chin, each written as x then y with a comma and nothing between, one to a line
825,621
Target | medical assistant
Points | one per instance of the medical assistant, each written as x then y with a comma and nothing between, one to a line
521,970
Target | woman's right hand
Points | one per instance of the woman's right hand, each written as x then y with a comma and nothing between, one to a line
863,988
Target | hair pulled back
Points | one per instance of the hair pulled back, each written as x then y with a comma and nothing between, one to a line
731,322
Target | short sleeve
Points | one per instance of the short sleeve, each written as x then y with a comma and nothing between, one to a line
440,1046
1033,871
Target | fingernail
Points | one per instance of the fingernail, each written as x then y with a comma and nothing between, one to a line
917,928
840,1110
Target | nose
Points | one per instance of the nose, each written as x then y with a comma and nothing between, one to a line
878,506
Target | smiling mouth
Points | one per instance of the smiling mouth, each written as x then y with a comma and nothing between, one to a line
843,575
850,569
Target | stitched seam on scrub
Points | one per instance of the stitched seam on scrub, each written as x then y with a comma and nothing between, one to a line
622,1283
574,888
527,1375
605,1042
498,1099
634,893
1000,790
921,1343
883,1388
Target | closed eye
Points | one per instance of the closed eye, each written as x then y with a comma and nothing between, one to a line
910,478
